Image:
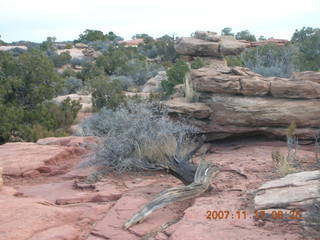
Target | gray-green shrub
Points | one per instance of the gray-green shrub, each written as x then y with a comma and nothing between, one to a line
134,137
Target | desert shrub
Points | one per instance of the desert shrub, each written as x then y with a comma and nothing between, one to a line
106,93
308,43
61,59
134,137
69,46
128,62
28,79
139,70
162,47
176,75
197,63
46,119
126,82
233,61
283,165
270,60
80,61
90,71
27,83
100,45
48,46
71,85
68,72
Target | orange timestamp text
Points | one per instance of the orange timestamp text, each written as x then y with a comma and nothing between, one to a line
258,214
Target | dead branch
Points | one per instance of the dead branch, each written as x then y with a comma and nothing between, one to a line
202,179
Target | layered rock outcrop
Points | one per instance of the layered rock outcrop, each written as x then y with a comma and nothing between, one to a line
209,44
235,101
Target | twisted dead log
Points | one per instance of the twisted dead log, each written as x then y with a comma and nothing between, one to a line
202,179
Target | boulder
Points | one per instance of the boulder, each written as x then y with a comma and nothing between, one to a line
207,36
197,47
230,46
154,84
296,190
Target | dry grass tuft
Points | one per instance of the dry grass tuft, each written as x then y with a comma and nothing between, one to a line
283,166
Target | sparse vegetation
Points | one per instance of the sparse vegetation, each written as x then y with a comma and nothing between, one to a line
197,63
106,93
135,137
176,74
269,60
282,164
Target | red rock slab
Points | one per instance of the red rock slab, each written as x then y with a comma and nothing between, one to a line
22,218
65,232
233,192
31,159
111,225
195,225
63,193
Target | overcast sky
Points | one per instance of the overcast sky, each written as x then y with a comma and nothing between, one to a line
34,20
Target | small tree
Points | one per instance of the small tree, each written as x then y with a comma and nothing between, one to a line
227,31
92,35
106,93
245,35
176,75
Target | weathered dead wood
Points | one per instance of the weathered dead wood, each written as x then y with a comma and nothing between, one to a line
202,179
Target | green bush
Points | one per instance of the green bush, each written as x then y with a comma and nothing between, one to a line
176,74
28,79
245,35
106,93
197,63
27,83
46,119
71,85
233,61
61,59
